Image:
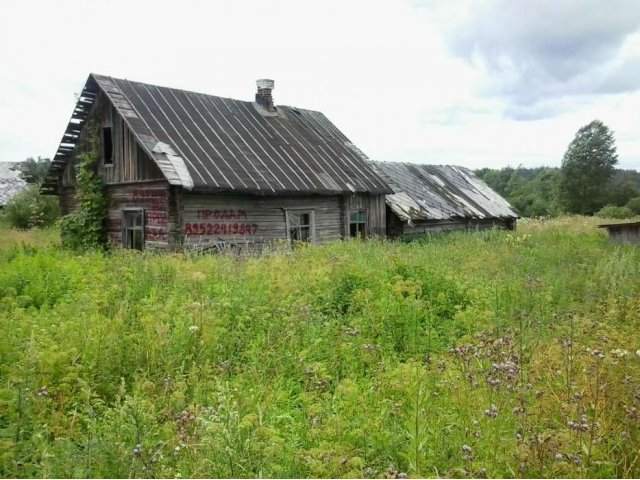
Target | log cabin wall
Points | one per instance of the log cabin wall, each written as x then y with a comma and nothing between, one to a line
397,228
249,222
154,199
376,213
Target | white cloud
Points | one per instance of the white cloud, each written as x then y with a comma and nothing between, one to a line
382,71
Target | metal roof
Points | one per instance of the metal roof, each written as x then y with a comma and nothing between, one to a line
208,143
440,192
10,182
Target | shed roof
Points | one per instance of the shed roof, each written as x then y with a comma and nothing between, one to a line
440,192
619,226
208,143
10,182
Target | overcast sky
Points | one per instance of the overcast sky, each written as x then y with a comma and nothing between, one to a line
467,82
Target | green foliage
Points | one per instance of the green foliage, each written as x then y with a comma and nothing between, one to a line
612,211
34,170
532,191
29,209
487,355
85,228
634,205
586,167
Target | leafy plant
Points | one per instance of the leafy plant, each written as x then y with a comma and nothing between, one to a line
29,209
85,228
611,211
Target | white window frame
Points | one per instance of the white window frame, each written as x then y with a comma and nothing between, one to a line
312,222
138,211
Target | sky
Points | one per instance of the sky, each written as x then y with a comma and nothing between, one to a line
476,83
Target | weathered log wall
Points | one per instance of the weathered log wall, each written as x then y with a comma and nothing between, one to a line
154,199
245,221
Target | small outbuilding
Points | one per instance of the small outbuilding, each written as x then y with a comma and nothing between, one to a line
187,170
628,232
437,198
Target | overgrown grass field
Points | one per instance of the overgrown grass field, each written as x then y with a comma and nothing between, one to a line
490,354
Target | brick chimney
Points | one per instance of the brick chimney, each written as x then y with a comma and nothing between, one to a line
263,96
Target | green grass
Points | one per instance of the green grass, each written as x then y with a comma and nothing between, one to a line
492,354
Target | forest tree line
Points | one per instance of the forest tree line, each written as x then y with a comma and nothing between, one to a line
535,192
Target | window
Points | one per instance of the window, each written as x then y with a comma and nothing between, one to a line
107,146
133,229
300,225
358,224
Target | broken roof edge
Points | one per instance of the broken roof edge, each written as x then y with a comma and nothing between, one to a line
172,166
409,208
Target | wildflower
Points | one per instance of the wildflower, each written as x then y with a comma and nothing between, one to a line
193,329
137,451
619,353
637,353
42,392
517,410
176,451
559,457
518,436
466,449
368,347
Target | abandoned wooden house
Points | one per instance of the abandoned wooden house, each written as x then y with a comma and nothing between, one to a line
195,171
626,232
437,198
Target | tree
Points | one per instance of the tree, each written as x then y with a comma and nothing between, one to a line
35,170
587,165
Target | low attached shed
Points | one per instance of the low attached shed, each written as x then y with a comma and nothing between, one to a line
196,171
436,198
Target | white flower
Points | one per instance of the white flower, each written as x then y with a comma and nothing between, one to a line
620,353
194,328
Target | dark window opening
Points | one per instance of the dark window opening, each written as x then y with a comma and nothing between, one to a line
107,146
358,224
133,229
300,226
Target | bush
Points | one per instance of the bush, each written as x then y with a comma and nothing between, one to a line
634,205
29,209
611,211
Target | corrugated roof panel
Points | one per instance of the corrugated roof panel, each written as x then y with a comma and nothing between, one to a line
440,192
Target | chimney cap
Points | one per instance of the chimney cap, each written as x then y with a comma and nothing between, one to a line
265,83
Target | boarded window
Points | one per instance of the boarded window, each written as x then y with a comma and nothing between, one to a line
300,225
358,223
107,146
133,229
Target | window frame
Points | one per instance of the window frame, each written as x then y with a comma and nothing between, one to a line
365,231
312,223
131,211
107,146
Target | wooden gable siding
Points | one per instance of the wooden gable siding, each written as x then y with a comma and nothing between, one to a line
129,162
